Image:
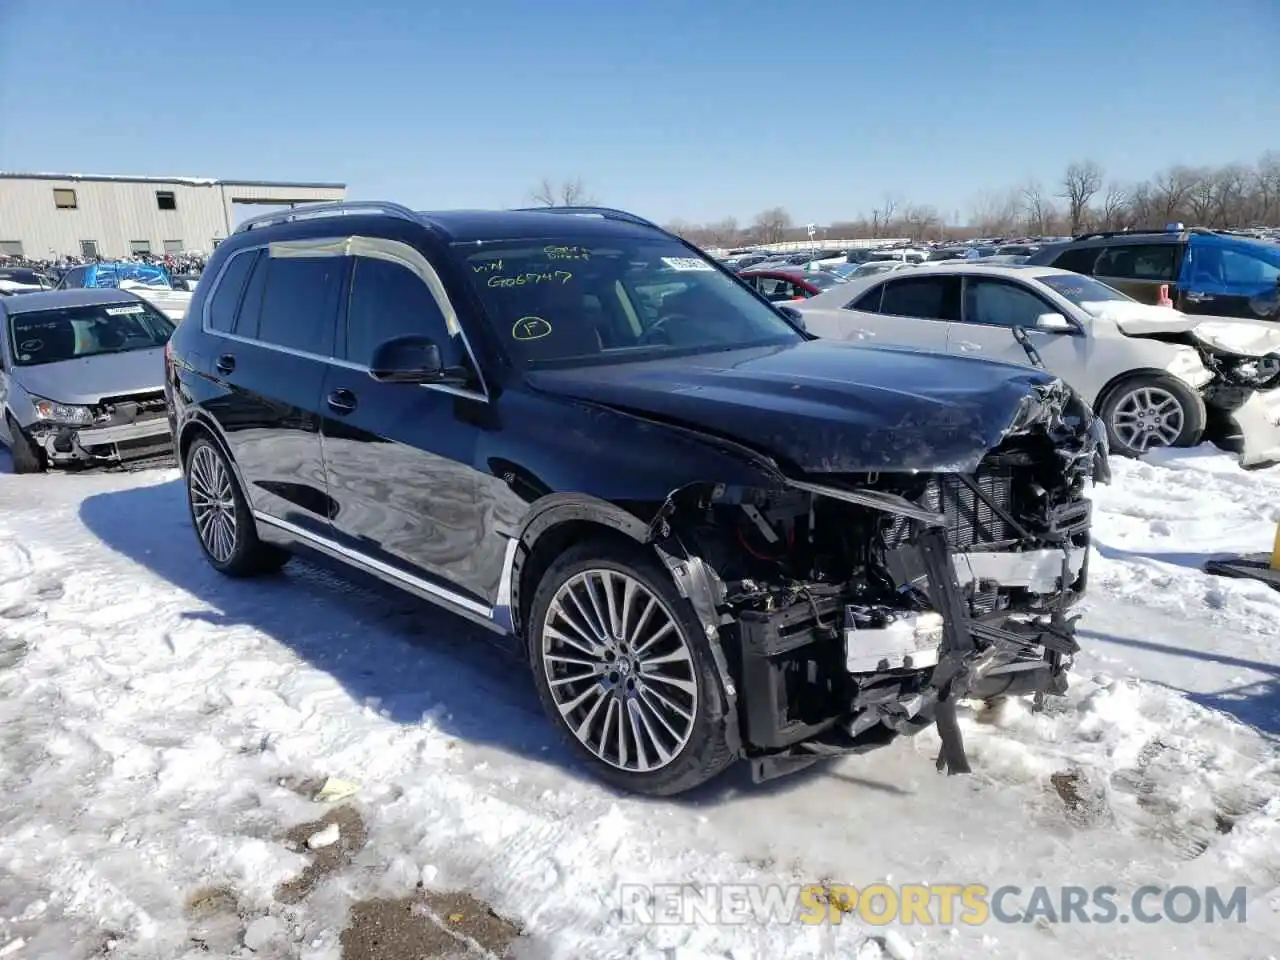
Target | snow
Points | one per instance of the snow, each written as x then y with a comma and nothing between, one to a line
153,717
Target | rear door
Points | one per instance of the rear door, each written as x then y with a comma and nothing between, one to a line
1224,277
1141,269
399,457
271,344
911,311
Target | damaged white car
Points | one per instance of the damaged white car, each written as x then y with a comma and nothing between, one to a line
82,380
1156,377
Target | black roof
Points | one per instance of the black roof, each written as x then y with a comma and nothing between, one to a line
468,225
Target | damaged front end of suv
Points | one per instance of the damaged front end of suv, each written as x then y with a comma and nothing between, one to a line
847,607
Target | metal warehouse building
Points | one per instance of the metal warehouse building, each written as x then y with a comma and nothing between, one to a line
48,215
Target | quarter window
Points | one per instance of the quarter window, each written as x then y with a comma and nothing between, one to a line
226,296
923,297
1157,263
299,304
388,300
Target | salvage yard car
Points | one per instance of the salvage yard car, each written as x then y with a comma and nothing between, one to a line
80,380
1156,376
712,535
149,280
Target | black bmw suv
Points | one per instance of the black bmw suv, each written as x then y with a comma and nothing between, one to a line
712,535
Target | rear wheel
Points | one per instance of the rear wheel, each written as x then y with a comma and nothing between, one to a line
224,523
27,457
1146,412
624,670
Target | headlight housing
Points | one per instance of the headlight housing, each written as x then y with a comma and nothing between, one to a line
67,413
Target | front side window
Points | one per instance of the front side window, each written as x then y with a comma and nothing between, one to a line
389,300
997,303
570,300
1157,263
925,298
1077,259
72,333
300,302
1234,269
73,279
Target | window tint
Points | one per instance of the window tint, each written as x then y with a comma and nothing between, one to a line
388,300
923,297
1232,270
1077,259
226,296
869,302
300,302
1155,262
1000,304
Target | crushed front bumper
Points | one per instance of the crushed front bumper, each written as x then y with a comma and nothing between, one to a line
110,444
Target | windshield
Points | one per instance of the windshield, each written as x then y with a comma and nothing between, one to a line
51,336
556,302
824,281
1084,292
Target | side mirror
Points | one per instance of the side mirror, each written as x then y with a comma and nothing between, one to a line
792,314
411,359
1054,323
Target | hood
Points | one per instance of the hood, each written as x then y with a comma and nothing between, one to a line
1241,336
824,406
87,380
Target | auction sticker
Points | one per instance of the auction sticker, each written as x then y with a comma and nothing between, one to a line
687,263
120,311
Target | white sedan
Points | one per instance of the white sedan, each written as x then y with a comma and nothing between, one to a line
1157,377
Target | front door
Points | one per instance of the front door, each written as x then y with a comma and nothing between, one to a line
272,321
993,308
908,312
399,457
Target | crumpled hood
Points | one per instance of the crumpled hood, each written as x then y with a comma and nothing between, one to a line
1250,338
825,406
87,380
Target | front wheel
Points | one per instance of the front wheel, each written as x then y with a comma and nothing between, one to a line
224,523
27,457
1145,412
624,670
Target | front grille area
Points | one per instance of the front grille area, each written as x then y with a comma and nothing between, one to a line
132,408
971,521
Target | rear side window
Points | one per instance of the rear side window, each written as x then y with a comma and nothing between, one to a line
869,302
927,298
1077,259
300,302
226,295
388,300
1155,262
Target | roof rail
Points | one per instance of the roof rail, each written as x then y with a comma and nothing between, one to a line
342,208
608,213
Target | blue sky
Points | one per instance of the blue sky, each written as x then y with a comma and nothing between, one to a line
693,110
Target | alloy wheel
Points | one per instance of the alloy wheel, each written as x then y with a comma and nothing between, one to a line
213,503
619,670
1147,417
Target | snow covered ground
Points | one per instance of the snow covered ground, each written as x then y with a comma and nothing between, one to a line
159,724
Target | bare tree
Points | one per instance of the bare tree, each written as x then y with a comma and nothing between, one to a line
1037,209
1080,183
1169,191
921,221
771,225
1115,202
995,213
568,193
882,217
724,233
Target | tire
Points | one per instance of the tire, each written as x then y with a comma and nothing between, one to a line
27,457
687,724
1175,414
229,537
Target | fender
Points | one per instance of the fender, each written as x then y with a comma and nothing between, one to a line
197,419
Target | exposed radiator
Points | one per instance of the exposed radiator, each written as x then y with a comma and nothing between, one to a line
970,520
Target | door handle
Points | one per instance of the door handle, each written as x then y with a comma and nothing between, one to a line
225,363
967,346
1197,297
342,401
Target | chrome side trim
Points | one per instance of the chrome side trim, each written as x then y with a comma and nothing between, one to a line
503,614
457,600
